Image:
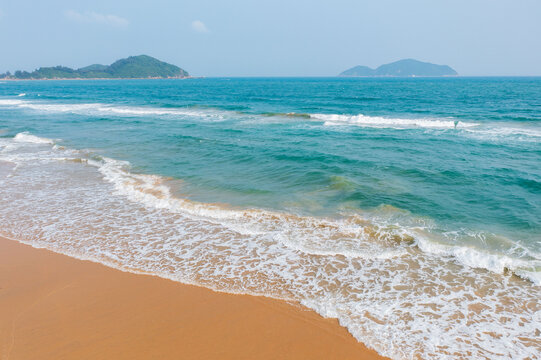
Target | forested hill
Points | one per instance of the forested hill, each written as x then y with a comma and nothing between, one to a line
133,67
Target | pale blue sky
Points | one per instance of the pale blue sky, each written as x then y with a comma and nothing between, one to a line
275,38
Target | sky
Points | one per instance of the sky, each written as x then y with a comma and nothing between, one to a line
274,38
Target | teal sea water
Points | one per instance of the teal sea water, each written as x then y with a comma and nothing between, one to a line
410,209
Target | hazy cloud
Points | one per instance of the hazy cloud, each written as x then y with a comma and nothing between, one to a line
199,26
94,17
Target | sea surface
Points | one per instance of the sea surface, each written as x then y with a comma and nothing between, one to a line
409,209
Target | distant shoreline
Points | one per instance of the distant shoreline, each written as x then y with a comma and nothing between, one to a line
142,78
289,77
398,77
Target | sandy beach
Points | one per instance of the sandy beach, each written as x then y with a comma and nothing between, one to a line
56,307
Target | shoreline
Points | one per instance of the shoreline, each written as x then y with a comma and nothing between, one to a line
56,307
80,79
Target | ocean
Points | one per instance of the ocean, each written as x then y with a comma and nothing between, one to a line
408,209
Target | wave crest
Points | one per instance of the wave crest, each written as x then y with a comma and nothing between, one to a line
383,122
29,138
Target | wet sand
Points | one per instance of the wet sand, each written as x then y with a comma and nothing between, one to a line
56,307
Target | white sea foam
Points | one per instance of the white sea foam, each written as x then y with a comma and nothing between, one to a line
29,138
495,131
393,287
495,262
10,102
101,109
383,122
21,95
504,132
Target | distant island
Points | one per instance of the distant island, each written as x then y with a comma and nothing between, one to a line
401,68
133,67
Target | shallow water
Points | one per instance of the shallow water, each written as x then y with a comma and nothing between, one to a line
410,209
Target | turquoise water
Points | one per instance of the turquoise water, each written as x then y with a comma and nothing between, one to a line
227,147
444,170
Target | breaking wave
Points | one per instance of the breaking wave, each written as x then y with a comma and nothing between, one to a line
497,131
101,109
29,138
383,122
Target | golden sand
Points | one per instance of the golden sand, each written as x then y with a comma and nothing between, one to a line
56,307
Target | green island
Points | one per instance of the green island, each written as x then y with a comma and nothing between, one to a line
401,68
133,67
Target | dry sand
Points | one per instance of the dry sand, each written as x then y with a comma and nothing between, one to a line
56,307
